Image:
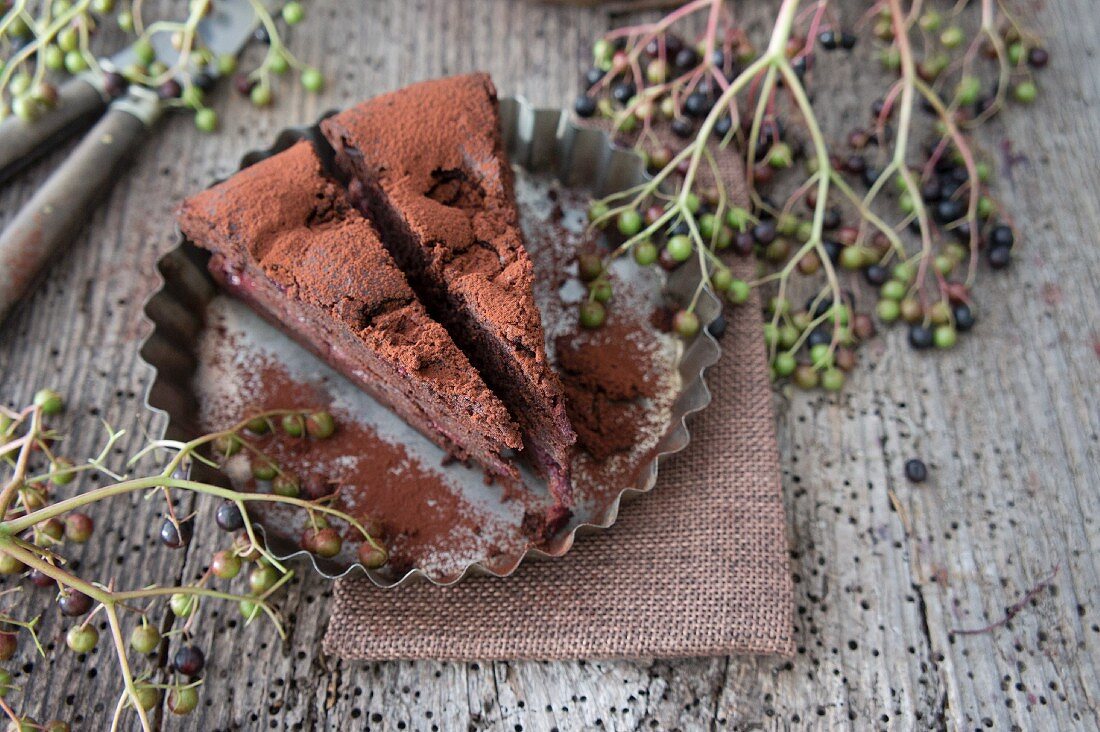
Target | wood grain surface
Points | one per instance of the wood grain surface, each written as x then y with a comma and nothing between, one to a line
888,573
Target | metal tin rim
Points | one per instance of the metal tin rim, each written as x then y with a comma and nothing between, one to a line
538,140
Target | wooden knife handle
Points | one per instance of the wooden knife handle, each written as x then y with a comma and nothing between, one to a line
79,102
60,208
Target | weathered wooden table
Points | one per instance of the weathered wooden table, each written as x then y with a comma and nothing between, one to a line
886,571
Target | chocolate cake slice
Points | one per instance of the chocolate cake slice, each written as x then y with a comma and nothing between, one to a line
287,241
428,165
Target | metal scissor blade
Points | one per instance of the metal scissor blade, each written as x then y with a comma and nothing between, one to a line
225,30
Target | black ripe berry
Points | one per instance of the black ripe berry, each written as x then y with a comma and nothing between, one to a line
1001,236
189,661
685,58
683,127
964,317
585,106
717,327
175,536
229,517
722,126
920,337
74,603
999,257
819,336
828,40
592,77
623,92
697,104
916,470
764,232
848,40
876,275
948,210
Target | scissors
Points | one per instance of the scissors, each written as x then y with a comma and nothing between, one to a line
56,212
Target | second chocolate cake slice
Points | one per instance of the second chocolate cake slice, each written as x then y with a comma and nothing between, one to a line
429,165
286,240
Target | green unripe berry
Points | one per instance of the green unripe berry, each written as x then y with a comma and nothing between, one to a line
261,579
68,39
1025,92
147,697
785,363
592,314
601,291
126,21
943,264
320,425
5,682
75,62
893,290
602,50
285,485
82,638
944,336
691,202
788,336
779,305
293,13
293,425
183,700
260,96
686,324
277,63
738,218
771,334
1016,53
968,89
931,21
853,257
903,272
832,379
192,96
706,226
597,210
888,310
144,52
61,471
227,445
952,37
206,120
780,156
313,80
721,278
645,253
821,355
629,222
145,638
54,58
49,401
182,605
738,292
679,247
263,470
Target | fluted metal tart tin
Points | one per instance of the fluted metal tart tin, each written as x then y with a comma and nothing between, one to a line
548,151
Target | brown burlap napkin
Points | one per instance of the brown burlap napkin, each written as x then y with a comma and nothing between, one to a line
697,567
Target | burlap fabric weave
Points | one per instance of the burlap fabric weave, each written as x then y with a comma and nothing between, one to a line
697,567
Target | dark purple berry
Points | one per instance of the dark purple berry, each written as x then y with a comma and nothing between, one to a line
948,210
723,126
999,257
819,336
170,89
848,40
189,661
920,337
623,92
697,105
916,470
964,317
685,58
74,603
593,77
683,127
1001,236
1037,58
764,232
176,536
876,275
114,84
828,40
229,517
585,106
